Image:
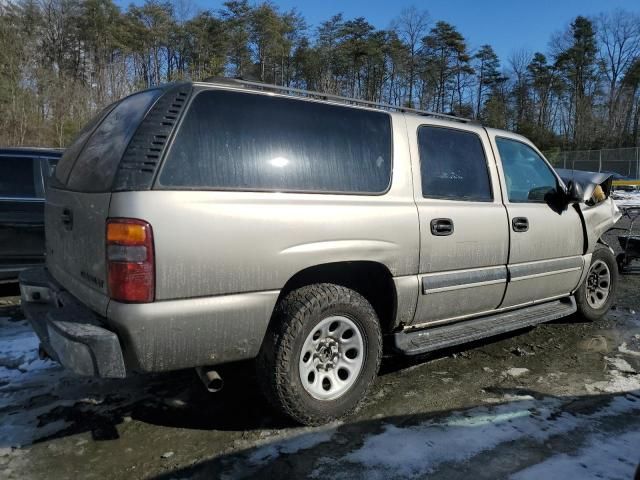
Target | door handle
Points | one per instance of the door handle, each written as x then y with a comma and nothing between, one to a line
520,224
441,227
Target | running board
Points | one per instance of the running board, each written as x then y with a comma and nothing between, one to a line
436,338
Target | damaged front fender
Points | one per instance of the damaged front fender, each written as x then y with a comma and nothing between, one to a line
598,219
599,211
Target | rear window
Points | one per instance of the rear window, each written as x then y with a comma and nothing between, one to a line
240,141
63,169
17,177
102,144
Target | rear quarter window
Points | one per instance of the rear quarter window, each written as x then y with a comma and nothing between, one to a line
239,141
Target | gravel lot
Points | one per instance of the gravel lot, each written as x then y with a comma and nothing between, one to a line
558,401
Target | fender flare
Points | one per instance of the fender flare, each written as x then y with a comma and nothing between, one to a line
601,241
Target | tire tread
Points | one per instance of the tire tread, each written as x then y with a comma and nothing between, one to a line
277,353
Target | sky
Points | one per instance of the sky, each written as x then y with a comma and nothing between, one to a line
507,25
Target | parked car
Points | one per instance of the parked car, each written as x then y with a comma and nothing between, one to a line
198,224
23,173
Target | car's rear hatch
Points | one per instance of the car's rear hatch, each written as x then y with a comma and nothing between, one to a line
78,197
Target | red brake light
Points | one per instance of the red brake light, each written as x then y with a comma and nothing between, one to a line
130,260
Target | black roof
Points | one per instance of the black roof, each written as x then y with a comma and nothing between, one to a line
31,151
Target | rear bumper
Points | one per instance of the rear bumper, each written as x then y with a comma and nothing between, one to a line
69,332
145,337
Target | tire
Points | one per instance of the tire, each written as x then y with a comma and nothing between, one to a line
293,353
592,298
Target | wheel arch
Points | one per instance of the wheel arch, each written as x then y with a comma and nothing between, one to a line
373,280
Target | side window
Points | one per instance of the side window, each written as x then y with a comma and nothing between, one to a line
453,165
17,177
231,140
527,175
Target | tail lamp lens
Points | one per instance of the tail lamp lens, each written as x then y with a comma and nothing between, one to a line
130,260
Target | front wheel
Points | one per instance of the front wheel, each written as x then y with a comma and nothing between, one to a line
321,353
597,292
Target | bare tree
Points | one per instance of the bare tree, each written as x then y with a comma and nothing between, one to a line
619,37
411,26
519,60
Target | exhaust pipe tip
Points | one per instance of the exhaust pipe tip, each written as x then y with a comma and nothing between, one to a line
211,379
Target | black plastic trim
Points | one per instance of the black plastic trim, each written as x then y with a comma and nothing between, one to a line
142,158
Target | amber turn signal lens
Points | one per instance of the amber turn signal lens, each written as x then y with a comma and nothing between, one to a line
126,233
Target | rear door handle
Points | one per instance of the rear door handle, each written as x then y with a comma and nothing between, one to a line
441,227
520,224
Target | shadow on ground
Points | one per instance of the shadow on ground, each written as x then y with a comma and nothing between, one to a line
533,431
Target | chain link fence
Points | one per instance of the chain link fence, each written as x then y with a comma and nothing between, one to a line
623,161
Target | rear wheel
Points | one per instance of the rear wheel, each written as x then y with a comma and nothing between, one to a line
596,294
321,354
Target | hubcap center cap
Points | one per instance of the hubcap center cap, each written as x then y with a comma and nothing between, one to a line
327,353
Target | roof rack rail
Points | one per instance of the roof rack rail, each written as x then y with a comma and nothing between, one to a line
252,85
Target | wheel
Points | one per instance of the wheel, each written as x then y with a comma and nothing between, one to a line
595,295
321,353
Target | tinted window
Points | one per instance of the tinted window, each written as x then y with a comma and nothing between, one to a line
453,165
98,162
232,140
71,154
527,175
16,177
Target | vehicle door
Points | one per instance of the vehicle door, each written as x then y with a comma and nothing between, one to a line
464,237
547,239
21,213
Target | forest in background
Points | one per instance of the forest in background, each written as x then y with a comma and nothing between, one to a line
61,61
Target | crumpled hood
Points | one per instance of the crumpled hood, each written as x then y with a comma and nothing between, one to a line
587,180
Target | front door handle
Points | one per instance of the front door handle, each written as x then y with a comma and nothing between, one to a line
441,227
520,224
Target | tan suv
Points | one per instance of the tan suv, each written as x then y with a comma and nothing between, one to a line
198,224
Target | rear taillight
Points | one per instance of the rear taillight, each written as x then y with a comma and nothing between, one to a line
130,260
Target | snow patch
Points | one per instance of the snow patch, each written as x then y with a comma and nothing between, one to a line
605,457
618,382
516,372
624,348
620,364
622,198
301,441
416,450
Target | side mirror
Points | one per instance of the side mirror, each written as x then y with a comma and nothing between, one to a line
574,192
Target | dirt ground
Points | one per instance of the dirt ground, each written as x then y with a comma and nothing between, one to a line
558,401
